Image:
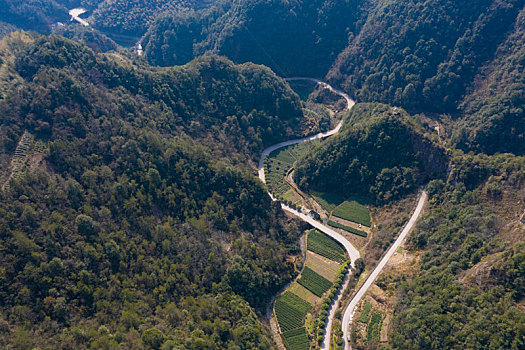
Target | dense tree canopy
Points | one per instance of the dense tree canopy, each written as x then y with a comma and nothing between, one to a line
129,231
379,155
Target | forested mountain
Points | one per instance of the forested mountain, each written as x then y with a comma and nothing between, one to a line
494,111
379,155
430,56
292,37
125,230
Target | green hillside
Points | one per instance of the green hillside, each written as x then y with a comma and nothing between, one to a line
118,236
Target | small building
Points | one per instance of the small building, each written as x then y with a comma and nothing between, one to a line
315,215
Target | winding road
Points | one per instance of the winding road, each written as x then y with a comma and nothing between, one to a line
350,309
352,251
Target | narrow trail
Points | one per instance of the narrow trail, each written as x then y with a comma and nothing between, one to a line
353,253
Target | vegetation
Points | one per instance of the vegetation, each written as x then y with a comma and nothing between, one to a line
326,246
329,201
353,210
290,311
252,31
465,237
363,318
296,339
373,329
347,228
119,238
314,282
493,113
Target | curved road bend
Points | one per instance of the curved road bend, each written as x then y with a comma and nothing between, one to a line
352,251
350,309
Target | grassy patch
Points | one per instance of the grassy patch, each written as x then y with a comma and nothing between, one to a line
323,266
353,210
313,281
323,245
374,327
303,293
328,201
347,228
296,339
363,318
290,311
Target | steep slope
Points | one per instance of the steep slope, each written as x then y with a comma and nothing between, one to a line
380,154
430,48
128,232
494,111
468,292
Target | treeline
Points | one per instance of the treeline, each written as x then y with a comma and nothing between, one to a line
430,49
472,273
131,233
380,155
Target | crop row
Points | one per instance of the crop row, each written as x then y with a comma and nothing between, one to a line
354,211
374,327
290,311
296,339
314,282
326,246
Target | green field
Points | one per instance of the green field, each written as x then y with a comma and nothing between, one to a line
290,311
323,245
314,282
296,339
328,201
363,318
353,210
347,228
374,327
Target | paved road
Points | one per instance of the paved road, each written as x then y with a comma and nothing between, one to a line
350,309
352,251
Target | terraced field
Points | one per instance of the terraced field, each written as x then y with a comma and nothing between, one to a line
296,339
363,318
353,210
26,147
328,201
279,162
314,282
303,293
323,266
290,311
373,329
